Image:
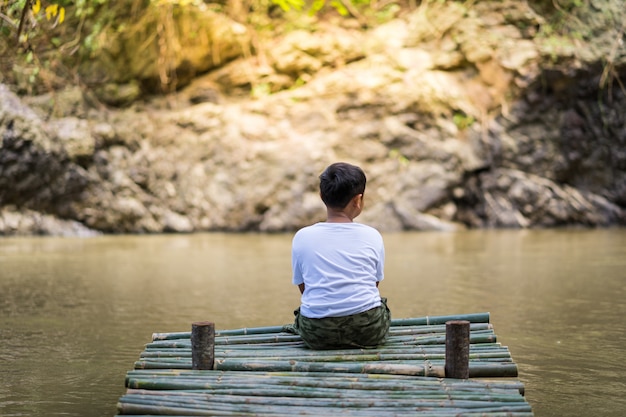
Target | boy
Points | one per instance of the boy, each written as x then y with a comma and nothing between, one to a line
337,266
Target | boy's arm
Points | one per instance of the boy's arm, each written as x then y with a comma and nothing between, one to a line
301,287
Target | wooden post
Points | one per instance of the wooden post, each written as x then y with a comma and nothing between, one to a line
457,349
202,345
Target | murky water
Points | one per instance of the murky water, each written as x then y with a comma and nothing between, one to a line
76,313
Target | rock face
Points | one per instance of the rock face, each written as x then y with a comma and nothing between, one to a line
453,113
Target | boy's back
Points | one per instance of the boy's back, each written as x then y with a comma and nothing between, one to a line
340,264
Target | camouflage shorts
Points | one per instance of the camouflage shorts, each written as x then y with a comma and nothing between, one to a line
368,329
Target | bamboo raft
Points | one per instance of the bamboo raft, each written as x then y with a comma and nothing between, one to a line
264,371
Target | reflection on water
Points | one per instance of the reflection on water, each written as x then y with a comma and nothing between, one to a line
76,313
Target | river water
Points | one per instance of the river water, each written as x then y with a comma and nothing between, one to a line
75,313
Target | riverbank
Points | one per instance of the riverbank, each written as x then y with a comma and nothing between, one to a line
461,117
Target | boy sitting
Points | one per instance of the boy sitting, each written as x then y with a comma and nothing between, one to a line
337,266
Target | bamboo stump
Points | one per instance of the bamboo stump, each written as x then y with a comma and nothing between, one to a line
202,345
457,349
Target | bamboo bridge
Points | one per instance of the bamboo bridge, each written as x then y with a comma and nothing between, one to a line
264,371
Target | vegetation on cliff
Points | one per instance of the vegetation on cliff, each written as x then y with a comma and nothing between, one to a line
163,44
164,116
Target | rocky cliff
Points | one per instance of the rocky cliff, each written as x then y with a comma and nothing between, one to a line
462,116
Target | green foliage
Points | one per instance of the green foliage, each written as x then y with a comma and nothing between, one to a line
11,11
570,23
26,16
344,8
87,8
261,90
568,5
462,120
31,22
397,155
340,7
557,46
561,16
45,39
287,5
26,26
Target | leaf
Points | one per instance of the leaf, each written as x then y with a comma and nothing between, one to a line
296,4
282,4
36,6
317,5
61,14
287,5
341,9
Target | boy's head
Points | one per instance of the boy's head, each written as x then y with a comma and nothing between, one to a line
339,183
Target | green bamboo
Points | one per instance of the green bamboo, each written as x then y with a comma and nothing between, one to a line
254,350
434,329
419,321
319,399
479,336
380,357
408,349
390,404
329,357
390,348
319,390
400,348
410,367
285,351
333,392
269,406
202,400
406,326
431,320
264,371
421,414
271,410
296,378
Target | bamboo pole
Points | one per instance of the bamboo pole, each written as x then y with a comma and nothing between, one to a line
327,404
329,356
284,400
479,336
238,351
425,368
356,386
472,318
419,321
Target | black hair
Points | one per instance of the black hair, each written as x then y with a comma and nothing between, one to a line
339,183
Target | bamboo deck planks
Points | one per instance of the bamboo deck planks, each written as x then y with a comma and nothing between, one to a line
266,372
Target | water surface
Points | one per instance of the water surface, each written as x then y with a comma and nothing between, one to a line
75,313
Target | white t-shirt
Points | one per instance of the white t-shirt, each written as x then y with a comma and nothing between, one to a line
339,264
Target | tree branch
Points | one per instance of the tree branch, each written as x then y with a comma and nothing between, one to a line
23,19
